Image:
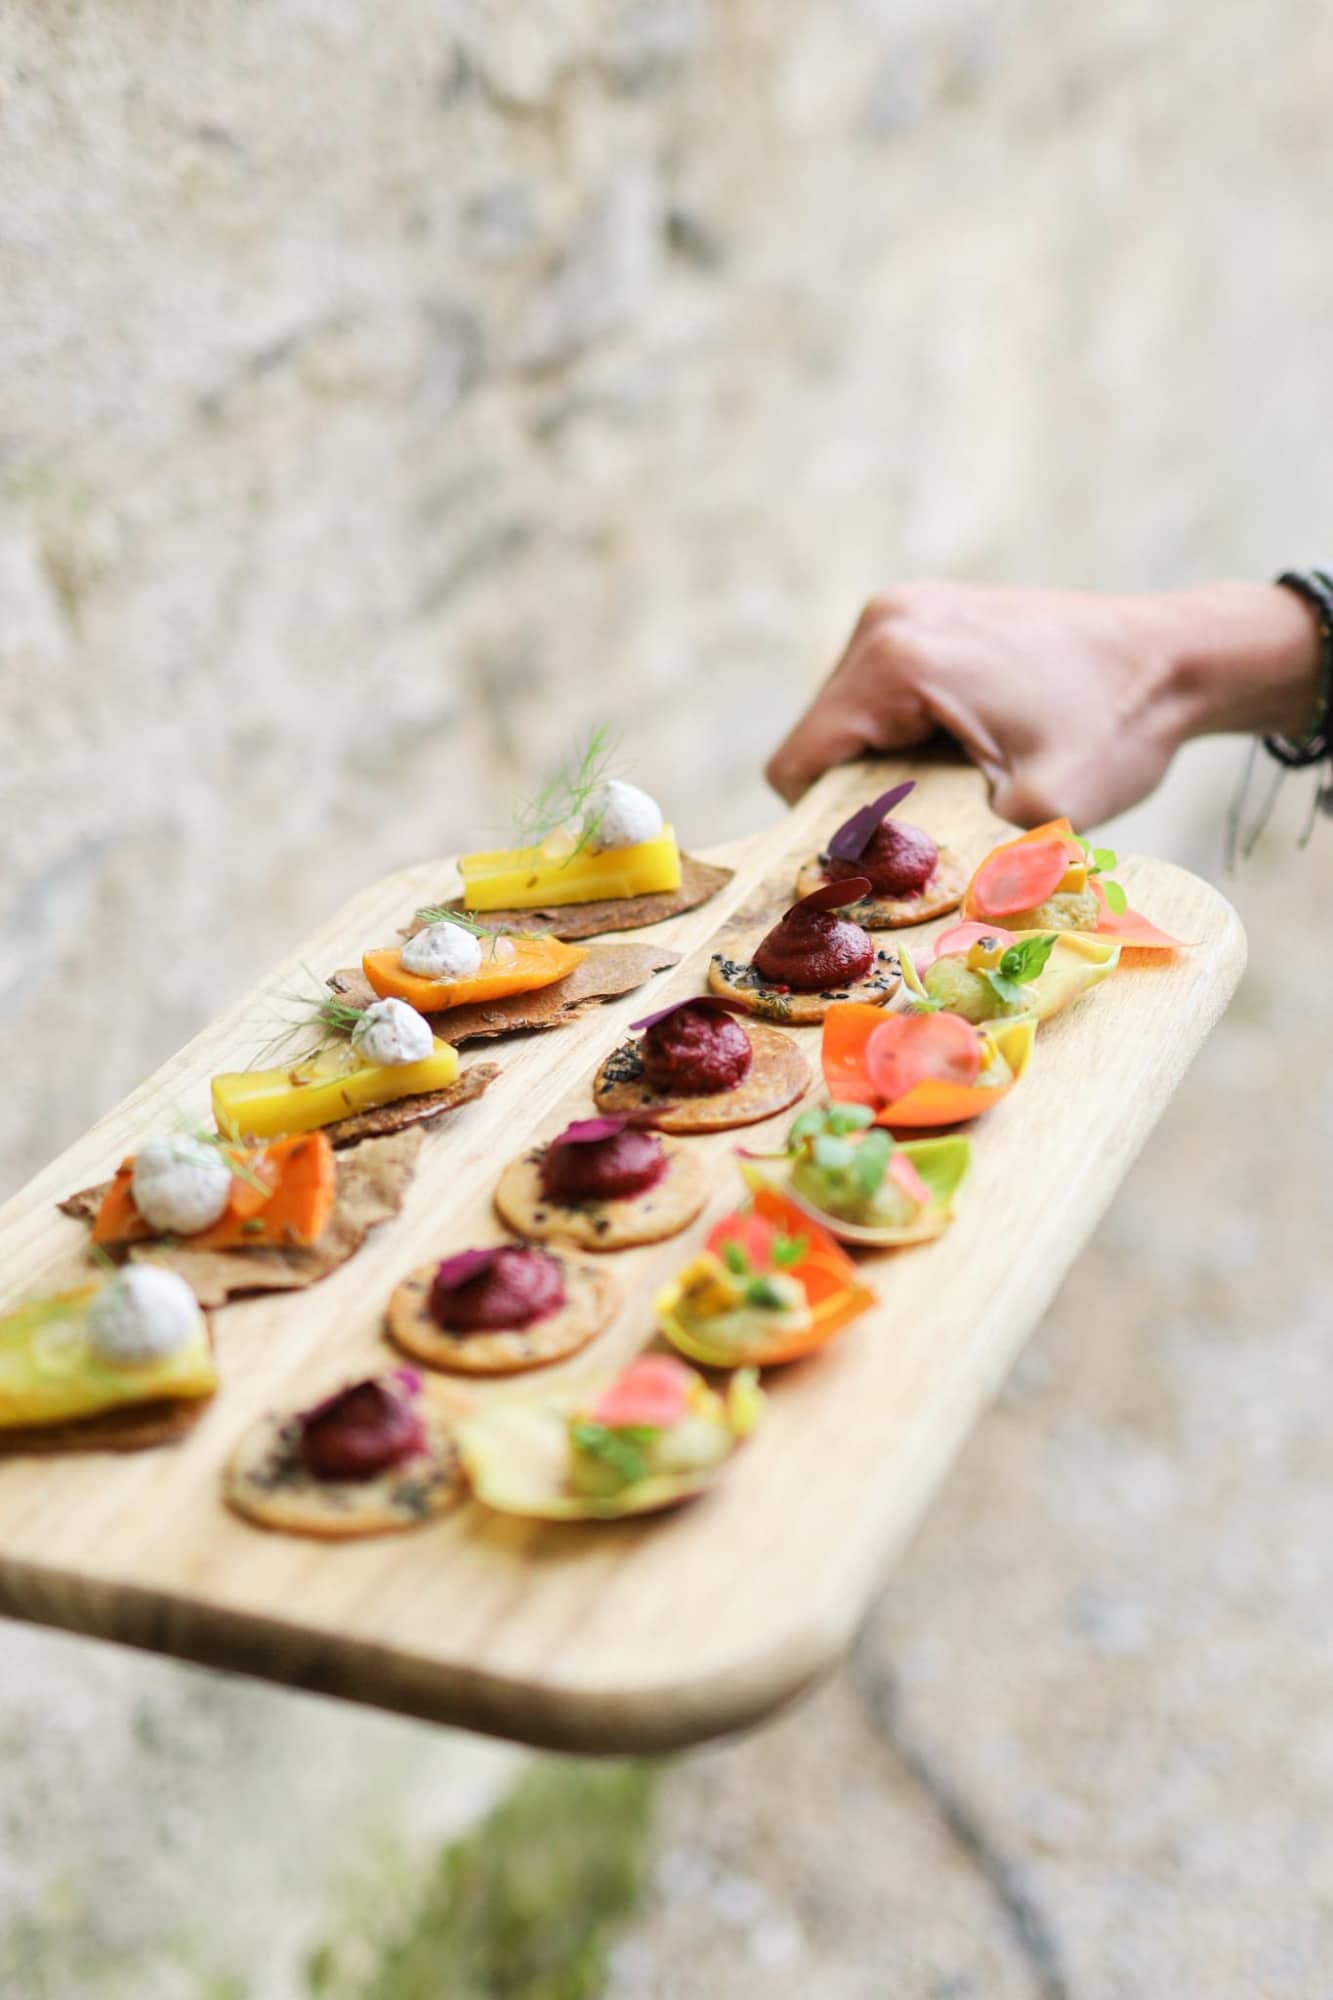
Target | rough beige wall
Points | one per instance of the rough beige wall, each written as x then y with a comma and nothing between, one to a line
386,391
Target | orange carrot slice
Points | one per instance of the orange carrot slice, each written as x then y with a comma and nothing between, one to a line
826,1274
535,962
934,1100
908,1049
298,1173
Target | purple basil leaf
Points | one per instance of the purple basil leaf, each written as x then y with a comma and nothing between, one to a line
331,1402
467,1264
853,837
713,1001
589,1131
833,895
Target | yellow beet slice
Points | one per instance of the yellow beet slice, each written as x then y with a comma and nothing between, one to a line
264,1103
50,1374
518,878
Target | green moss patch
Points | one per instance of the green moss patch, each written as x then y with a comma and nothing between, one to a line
525,1905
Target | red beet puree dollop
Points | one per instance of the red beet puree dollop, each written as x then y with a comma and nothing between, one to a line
362,1430
814,949
899,860
601,1159
695,1052
483,1290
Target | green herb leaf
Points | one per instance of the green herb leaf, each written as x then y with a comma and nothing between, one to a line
763,1292
1011,991
832,1153
1027,960
789,1250
734,1257
1103,860
623,1449
1116,899
848,1117
805,1127
871,1161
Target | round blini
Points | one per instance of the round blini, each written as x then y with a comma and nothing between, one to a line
266,1481
592,1299
732,974
942,893
660,1211
777,1076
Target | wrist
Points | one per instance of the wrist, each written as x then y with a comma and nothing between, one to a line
1239,657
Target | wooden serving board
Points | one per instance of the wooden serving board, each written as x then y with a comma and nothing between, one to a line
628,1636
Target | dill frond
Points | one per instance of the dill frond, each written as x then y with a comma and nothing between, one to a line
565,796
441,914
321,1015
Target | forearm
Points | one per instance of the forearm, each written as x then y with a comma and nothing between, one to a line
1240,657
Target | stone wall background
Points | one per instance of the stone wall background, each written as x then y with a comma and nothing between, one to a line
387,393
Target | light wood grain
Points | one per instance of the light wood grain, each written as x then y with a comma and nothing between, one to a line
632,1636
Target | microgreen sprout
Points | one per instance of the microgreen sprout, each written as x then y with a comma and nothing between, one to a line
849,1154
1101,860
759,1286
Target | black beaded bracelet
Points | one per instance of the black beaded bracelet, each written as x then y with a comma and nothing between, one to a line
1313,745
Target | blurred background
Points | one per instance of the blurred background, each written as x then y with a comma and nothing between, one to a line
387,395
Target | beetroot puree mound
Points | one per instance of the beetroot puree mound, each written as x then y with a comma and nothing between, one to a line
485,1291
898,860
601,1159
364,1429
813,949
695,1050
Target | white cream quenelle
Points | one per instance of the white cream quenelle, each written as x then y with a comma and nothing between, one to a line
442,951
391,1034
180,1184
620,815
143,1314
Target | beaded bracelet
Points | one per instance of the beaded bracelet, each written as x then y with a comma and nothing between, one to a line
1313,745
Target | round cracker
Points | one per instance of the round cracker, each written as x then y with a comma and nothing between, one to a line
777,1076
660,1211
732,973
266,1481
592,1299
942,893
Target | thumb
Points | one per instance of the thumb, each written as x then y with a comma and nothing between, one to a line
842,722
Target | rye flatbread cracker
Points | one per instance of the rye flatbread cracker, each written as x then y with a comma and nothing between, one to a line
608,971
592,1299
778,1075
699,881
942,893
266,1481
134,1427
420,1110
650,1217
731,973
372,1180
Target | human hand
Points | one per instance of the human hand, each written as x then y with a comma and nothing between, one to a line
1069,701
